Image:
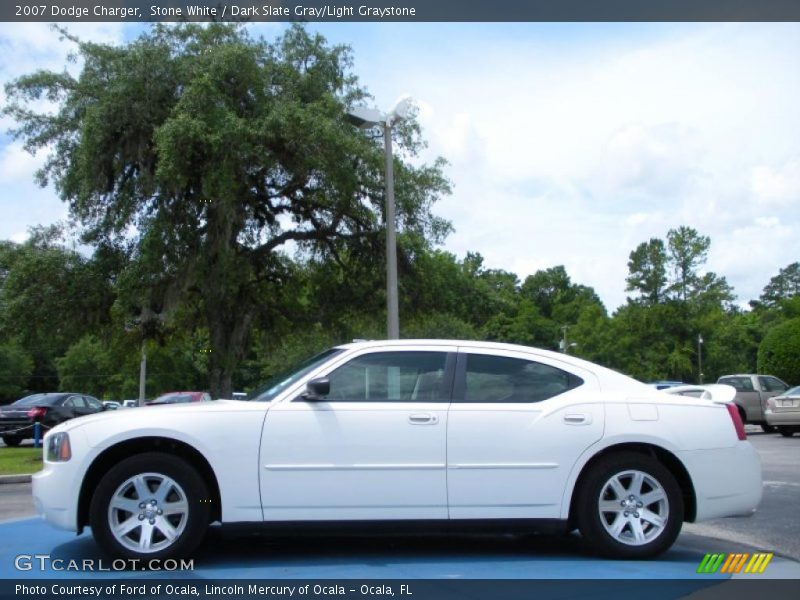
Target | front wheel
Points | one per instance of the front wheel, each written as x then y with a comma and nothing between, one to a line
786,431
629,506
768,428
12,441
150,506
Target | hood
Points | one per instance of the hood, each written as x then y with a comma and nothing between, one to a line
163,413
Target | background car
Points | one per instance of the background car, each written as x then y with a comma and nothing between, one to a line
783,412
180,398
130,403
111,404
752,392
17,419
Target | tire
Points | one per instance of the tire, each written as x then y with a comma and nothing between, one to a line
614,534
768,428
12,441
158,495
786,431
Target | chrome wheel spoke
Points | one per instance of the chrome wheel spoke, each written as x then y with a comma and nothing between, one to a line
126,504
638,531
175,508
146,537
636,483
618,525
653,497
166,528
610,506
164,488
617,487
142,491
652,518
127,526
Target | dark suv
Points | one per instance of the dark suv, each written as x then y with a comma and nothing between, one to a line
17,419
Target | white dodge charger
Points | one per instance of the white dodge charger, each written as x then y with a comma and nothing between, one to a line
428,433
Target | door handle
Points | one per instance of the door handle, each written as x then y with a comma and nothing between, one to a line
423,419
577,419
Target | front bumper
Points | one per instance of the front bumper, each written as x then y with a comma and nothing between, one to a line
727,481
55,495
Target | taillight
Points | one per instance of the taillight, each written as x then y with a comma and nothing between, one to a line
733,411
37,413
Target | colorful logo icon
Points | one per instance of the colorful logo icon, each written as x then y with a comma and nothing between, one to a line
734,563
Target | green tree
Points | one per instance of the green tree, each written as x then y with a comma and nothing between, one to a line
783,286
779,352
688,250
85,367
207,152
647,271
16,367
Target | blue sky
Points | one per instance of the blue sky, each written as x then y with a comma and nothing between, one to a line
568,143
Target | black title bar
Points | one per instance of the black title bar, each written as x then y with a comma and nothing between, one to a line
400,10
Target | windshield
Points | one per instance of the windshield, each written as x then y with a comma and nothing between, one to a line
280,382
174,398
795,391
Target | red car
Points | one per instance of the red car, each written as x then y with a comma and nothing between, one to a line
180,398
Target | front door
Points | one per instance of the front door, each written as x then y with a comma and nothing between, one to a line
373,448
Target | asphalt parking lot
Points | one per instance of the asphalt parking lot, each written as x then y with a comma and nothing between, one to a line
774,528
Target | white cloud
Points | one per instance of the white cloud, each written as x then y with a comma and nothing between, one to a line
570,144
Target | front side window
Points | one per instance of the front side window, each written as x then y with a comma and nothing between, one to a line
390,377
278,383
502,379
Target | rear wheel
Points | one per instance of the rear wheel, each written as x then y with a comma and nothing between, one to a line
768,428
629,506
149,506
786,431
12,441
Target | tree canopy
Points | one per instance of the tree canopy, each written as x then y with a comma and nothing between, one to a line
208,156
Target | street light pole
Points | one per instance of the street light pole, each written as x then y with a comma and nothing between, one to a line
142,376
392,303
700,358
364,117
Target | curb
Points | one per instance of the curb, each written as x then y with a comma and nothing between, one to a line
25,478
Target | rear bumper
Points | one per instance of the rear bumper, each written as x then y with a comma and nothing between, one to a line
784,417
727,481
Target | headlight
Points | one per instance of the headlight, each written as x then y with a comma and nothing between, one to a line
58,448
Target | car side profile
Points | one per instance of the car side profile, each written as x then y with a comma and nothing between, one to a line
48,409
439,434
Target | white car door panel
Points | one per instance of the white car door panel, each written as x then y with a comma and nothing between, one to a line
510,458
363,460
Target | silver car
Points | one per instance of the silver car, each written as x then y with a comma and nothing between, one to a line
783,412
752,393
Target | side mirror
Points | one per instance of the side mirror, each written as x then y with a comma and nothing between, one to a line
317,389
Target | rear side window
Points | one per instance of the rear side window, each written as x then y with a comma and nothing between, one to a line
501,379
740,384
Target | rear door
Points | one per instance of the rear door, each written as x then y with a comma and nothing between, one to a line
516,427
